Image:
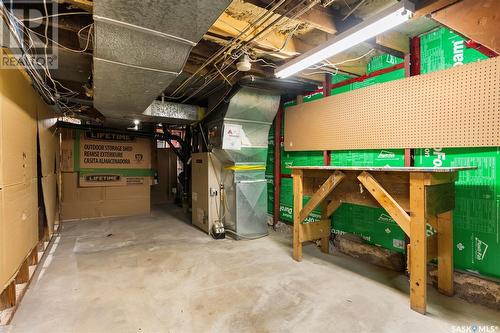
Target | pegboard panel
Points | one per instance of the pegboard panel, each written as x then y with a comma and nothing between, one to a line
457,107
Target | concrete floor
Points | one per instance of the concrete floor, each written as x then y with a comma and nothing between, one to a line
160,274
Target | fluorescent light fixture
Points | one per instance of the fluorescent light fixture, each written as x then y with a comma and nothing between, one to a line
371,27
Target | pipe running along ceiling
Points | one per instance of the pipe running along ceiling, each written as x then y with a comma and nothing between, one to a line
141,47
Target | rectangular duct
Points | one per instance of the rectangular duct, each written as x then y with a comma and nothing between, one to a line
141,47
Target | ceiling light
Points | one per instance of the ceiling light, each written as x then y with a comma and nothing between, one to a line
369,28
244,64
136,122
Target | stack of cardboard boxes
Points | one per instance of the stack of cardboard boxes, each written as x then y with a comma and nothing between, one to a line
104,174
18,172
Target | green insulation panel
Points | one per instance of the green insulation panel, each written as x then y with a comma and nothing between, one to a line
373,225
477,199
270,194
376,158
286,203
442,49
477,205
383,61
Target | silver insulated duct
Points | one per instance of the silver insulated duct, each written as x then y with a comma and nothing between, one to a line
141,47
238,133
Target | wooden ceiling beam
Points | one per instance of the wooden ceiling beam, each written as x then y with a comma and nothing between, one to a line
394,40
86,5
228,26
427,7
318,17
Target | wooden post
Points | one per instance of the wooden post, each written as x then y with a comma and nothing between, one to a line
445,252
23,276
8,296
298,196
325,241
418,243
33,257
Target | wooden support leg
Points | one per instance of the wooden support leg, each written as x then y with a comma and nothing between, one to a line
418,244
298,195
23,275
8,296
325,241
33,258
445,253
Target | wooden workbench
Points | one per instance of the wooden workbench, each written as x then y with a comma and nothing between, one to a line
413,197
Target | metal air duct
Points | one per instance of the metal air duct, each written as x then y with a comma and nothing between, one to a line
141,47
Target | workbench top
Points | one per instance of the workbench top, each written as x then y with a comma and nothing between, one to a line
391,169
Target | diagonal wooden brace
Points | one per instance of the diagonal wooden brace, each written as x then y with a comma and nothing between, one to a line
321,194
386,201
332,207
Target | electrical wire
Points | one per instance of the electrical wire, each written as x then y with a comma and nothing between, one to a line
55,15
245,237
230,44
51,94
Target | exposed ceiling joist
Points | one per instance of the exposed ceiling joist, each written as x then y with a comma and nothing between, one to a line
318,17
228,26
82,4
394,40
427,7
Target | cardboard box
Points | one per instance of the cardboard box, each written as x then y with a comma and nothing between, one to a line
85,150
104,201
106,159
18,152
50,199
19,225
48,137
72,193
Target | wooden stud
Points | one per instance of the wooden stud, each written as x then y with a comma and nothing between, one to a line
445,253
321,194
325,219
8,296
418,243
33,257
23,275
297,208
386,201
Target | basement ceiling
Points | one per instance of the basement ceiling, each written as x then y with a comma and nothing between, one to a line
268,31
